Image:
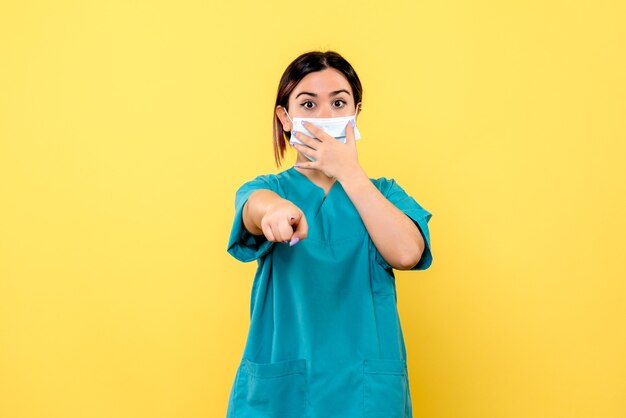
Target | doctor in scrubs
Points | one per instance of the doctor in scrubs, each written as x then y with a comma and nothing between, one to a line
325,338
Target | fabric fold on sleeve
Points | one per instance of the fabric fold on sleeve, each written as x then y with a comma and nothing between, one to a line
242,245
420,216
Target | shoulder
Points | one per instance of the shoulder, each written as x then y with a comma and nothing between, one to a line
400,198
386,185
267,181
390,188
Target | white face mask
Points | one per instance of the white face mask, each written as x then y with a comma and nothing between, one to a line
335,127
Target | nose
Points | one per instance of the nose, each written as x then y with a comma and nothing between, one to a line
325,112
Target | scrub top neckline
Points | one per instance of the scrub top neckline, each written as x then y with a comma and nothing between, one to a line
332,186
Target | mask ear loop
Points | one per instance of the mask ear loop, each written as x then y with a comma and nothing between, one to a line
287,113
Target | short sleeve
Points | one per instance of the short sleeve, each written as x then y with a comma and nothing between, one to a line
396,195
242,244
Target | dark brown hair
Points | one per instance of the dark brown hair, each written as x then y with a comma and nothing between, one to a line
307,63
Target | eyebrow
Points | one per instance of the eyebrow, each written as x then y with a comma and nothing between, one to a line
334,93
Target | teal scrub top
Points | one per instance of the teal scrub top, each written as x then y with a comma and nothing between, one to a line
325,337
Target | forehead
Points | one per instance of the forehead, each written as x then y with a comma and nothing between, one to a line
323,82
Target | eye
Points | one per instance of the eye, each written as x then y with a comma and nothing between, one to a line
339,103
308,104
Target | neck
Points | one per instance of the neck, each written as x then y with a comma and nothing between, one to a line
316,176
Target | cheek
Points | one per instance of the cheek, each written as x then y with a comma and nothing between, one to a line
348,110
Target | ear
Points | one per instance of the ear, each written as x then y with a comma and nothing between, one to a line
359,107
281,112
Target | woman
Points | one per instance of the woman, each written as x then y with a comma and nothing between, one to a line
325,338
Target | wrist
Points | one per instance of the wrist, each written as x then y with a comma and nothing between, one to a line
353,175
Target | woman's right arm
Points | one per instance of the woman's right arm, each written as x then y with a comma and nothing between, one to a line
266,213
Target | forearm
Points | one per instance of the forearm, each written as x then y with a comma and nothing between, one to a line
255,208
394,234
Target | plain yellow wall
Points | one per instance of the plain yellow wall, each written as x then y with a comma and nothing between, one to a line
126,127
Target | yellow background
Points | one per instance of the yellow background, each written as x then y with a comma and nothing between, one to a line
126,127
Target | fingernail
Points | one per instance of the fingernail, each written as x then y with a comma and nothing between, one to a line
352,122
294,241
304,123
296,165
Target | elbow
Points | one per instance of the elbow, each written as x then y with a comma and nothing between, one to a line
409,259
409,253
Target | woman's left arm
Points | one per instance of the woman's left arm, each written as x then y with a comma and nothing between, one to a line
394,234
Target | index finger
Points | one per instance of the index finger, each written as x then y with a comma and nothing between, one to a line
318,132
301,231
